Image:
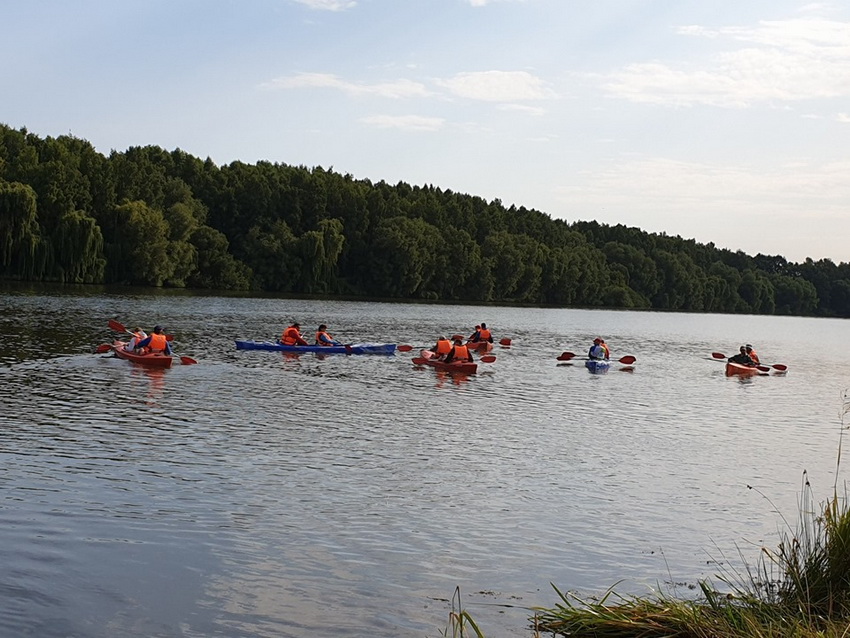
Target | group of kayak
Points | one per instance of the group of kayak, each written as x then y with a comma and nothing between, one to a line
454,354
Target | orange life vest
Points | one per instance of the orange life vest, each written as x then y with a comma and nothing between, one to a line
444,346
326,341
484,335
461,353
754,356
290,336
158,343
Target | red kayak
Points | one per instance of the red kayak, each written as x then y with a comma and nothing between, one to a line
463,367
481,347
153,360
739,369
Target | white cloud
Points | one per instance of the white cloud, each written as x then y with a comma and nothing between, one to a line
780,61
522,108
405,122
394,90
683,187
844,118
497,86
329,5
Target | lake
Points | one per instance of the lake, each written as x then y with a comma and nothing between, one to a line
262,495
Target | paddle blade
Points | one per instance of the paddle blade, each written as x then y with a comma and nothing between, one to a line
718,355
169,337
779,366
456,337
187,361
488,358
566,356
627,360
404,348
763,368
114,325
104,347
504,341
420,361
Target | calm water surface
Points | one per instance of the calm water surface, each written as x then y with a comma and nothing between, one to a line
259,495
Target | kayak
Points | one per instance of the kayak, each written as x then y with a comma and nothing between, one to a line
153,360
740,370
463,367
354,348
597,366
481,347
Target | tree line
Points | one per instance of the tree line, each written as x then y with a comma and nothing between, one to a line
147,216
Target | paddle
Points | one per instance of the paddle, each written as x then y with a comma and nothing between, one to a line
404,348
120,327
504,341
104,347
566,356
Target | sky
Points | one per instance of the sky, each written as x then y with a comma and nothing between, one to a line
723,121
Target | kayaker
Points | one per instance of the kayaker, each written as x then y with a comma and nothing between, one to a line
155,343
752,354
459,352
292,336
324,339
138,335
475,337
597,351
442,348
484,333
742,357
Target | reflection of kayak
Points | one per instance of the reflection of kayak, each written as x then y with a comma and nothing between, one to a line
151,360
597,366
463,367
740,370
354,348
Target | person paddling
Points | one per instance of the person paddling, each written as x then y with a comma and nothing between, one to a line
155,343
598,351
324,339
484,334
442,348
459,353
138,335
475,337
742,358
752,354
292,336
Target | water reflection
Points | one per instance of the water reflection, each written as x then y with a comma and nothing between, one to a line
454,378
153,379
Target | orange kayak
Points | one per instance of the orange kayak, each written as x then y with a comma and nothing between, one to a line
464,367
152,360
733,369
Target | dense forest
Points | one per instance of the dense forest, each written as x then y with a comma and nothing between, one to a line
152,217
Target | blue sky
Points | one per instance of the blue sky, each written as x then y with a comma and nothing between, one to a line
722,121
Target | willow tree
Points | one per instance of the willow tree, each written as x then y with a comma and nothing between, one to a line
78,246
19,231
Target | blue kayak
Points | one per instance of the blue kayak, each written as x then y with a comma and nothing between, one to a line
597,366
354,348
